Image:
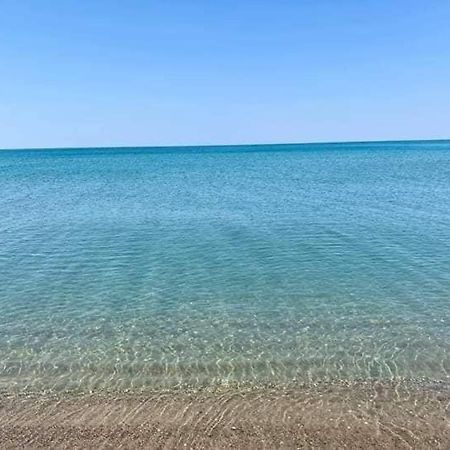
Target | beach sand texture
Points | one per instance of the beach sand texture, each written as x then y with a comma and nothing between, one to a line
357,415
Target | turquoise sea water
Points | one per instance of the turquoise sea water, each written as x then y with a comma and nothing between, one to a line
148,268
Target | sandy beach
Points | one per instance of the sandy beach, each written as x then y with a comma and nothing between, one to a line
338,415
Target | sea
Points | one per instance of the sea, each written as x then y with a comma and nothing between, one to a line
138,269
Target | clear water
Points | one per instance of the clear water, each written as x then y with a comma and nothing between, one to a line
148,268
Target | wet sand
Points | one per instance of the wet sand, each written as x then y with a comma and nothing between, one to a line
339,415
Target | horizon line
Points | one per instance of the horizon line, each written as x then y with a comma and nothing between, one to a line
171,146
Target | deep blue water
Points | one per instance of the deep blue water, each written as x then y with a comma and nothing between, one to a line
143,268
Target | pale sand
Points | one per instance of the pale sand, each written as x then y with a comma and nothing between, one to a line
338,415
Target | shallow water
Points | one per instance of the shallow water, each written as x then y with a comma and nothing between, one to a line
356,415
147,268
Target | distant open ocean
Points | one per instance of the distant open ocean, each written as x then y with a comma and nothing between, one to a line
147,268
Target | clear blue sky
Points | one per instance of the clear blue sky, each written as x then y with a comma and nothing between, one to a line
101,73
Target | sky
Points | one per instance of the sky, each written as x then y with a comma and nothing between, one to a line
137,73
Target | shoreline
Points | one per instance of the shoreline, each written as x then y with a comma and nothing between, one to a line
370,414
